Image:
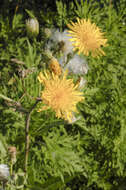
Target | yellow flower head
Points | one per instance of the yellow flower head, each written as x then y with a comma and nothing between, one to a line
60,94
87,37
54,66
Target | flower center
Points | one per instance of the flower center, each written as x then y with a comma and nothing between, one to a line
61,97
89,40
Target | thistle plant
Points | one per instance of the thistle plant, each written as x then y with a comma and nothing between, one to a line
63,129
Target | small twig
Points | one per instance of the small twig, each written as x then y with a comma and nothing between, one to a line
17,107
13,103
17,61
6,98
39,99
27,138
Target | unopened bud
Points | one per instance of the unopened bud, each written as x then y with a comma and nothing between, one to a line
47,32
55,66
32,26
48,54
12,151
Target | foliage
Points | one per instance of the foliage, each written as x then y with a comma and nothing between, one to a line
89,154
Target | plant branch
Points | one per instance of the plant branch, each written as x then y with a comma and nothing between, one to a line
17,105
17,61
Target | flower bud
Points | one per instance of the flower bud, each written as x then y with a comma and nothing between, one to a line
48,54
4,172
55,66
47,32
32,26
12,151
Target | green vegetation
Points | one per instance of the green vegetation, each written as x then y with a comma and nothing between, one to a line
89,154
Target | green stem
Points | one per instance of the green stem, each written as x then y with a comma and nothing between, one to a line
109,12
11,169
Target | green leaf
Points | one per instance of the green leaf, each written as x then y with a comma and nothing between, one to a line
51,184
3,146
30,13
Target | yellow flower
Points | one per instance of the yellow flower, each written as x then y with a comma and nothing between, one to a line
87,37
60,94
54,66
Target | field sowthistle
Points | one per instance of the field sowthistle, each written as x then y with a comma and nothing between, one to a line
63,95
